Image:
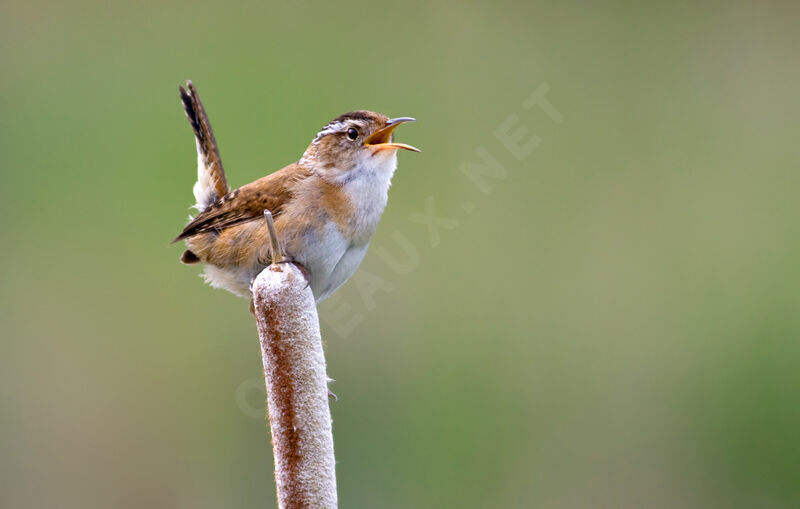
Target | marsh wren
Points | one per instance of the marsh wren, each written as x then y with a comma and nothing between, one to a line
326,206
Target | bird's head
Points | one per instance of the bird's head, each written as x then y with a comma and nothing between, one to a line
356,141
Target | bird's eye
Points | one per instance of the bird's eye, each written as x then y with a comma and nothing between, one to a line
352,133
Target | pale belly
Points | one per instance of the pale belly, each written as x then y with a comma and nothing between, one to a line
331,259
343,270
328,257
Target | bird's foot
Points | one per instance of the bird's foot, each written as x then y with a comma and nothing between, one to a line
304,271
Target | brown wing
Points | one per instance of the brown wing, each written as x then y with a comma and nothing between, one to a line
247,202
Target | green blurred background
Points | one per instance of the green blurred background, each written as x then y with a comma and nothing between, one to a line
613,324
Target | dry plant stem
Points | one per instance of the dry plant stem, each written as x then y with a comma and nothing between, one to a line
297,391
277,252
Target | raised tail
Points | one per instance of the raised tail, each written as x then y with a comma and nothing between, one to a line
211,182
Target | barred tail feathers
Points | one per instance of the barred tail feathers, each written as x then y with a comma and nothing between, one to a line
211,181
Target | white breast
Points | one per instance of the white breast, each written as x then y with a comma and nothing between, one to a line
367,188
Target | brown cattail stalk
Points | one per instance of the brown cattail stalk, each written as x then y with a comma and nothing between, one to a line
297,390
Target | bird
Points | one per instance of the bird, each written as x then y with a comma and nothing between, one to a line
326,206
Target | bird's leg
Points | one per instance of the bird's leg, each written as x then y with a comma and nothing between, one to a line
252,299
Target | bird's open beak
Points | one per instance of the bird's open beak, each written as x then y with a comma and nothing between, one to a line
382,138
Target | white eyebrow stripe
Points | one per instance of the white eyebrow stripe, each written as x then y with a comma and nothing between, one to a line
333,127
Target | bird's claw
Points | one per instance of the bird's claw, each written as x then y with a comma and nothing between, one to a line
304,271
